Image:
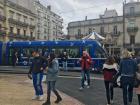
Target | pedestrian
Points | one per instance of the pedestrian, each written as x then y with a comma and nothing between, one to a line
36,72
85,72
14,58
52,74
64,59
109,70
127,72
138,78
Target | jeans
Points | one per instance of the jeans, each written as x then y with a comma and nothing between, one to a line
37,83
109,91
85,74
65,66
127,87
51,86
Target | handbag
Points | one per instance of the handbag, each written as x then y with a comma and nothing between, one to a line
138,75
116,81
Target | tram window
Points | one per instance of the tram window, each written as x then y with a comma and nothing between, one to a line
87,49
58,51
11,52
99,53
27,52
40,50
73,52
45,51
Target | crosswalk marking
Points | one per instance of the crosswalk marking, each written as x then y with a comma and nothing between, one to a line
94,78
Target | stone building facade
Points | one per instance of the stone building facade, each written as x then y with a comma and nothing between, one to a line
19,20
119,31
49,24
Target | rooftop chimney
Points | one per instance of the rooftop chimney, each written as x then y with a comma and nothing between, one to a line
86,18
49,7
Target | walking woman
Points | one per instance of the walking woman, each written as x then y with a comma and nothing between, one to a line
52,74
36,70
128,68
109,70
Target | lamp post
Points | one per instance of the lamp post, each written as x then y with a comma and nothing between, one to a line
124,2
109,42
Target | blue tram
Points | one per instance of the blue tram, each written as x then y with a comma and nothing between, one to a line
73,48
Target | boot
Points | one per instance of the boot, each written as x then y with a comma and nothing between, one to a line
58,100
47,103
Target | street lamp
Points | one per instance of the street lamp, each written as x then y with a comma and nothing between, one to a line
124,2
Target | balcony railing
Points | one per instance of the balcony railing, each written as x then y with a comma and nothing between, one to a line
117,34
2,33
2,18
32,26
132,15
17,22
132,29
14,35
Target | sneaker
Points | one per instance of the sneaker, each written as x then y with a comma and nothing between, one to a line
40,98
81,88
58,100
112,102
88,86
35,97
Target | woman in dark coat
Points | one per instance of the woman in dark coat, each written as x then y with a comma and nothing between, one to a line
109,70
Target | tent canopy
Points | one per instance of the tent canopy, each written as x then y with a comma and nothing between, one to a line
94,36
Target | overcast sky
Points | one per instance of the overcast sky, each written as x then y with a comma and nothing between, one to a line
76,10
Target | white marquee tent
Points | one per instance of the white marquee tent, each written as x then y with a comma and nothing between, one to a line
94,36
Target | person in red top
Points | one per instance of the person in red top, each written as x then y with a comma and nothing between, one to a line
109,70
85,61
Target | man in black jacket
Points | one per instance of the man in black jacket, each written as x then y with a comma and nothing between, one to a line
36,72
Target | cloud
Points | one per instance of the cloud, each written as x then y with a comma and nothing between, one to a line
76,10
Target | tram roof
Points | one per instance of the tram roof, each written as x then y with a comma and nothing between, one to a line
54,43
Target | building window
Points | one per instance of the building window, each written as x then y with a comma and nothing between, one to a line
90,30
45,30
25,19
38,36
132,11
53,32
31,21
115,30
132,39
102,30
45,37
79,31
0,26
24,32
131,23
31,33
18,17
18,31
11,14
11,29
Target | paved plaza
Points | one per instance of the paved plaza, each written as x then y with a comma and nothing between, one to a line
18,90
